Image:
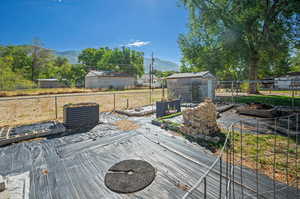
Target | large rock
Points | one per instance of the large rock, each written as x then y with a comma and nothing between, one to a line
201,119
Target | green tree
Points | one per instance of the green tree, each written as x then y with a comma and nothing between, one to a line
118,60
40,58
253,34
295,61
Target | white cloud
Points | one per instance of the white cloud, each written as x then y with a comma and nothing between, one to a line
138,43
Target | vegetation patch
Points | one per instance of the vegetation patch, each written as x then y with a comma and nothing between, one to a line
175,127
275,100
267,153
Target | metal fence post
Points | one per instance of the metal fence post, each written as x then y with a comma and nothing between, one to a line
205,194
56,116
150,96
232,92
293,97
114,101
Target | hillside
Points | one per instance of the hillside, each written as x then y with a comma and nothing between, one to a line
71,55
159,64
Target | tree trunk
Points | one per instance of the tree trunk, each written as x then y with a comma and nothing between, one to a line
253,73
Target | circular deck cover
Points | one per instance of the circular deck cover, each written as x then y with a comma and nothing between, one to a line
129,176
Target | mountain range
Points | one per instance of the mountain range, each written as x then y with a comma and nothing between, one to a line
159,64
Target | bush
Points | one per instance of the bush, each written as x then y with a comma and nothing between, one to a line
245,86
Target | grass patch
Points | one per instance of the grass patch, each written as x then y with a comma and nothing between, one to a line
170,116
275,100
285,155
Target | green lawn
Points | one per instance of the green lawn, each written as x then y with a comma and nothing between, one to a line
275,100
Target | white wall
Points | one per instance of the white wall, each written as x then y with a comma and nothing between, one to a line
285,82
109,82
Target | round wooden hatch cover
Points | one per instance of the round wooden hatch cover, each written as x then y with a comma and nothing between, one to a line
129,176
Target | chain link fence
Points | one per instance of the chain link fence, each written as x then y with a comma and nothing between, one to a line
27,110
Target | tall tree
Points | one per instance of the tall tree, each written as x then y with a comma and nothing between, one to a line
254,34
40,56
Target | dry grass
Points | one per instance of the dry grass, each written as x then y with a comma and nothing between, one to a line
18,111
126,125
46,91
56,91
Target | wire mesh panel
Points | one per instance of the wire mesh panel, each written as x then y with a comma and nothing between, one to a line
252,164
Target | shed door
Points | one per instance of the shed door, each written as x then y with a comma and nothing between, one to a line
210,89
195,92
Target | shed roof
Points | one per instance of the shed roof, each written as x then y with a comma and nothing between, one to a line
95,73
204,74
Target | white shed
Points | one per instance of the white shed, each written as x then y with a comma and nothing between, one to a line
144,80
191,87
291,80
108,79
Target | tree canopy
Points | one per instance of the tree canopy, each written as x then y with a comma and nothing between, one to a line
117,60
21,66
247,39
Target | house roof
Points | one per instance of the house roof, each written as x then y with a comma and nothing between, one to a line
95,73
146,77
204,74
293,74
49,80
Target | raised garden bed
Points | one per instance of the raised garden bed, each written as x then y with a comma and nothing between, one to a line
261,110
164,108
210,142
29,132
138,112
81,115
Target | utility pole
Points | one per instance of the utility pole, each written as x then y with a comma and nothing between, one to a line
152,69
149,76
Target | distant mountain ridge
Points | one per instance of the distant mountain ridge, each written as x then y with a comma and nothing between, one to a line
159,64
71,55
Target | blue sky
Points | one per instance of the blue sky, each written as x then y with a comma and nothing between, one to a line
146,25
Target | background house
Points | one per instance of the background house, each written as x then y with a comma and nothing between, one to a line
191,87
108,79
288,81
144,81
51,83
